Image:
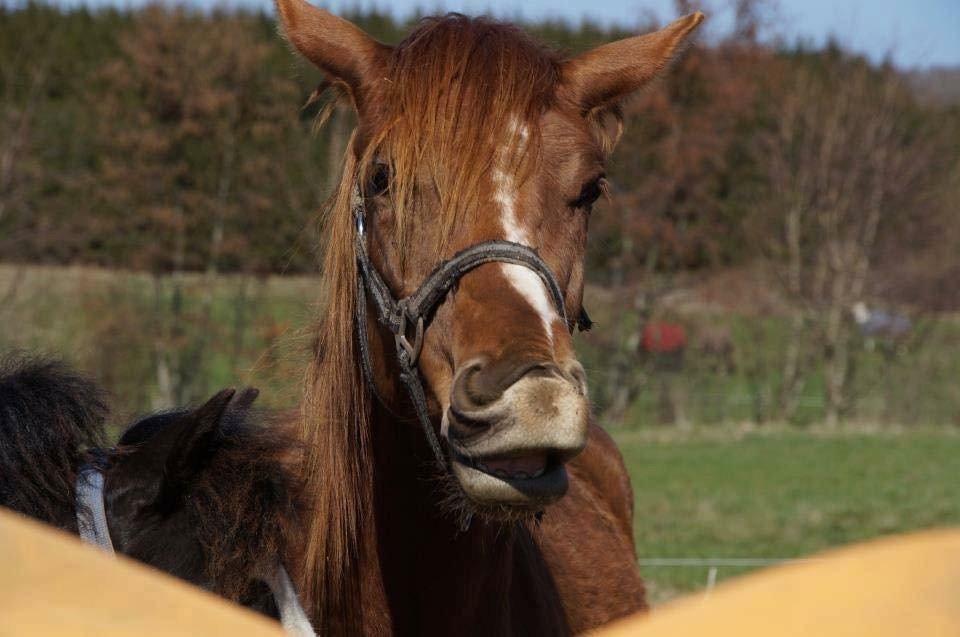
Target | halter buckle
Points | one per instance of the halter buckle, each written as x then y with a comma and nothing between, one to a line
358,209
358,221
412,349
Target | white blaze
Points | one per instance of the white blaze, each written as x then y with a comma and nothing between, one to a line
523,279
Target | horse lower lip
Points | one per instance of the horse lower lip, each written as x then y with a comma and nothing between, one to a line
483,485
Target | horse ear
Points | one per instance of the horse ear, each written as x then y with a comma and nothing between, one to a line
338,47
195,434
603,76
242,401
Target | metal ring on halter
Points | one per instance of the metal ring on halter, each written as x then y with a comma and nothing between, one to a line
412,349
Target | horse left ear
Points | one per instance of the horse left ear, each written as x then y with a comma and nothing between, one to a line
603,76
196,432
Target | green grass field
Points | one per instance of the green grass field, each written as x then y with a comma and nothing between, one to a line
782,493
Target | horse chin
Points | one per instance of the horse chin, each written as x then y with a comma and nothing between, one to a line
508,495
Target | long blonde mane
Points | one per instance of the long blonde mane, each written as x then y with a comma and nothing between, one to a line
459,89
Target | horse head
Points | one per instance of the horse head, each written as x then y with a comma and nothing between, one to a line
206,495
470,132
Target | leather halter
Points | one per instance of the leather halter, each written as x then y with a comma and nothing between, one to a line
408,318
92,524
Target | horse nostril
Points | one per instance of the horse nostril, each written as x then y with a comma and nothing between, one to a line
463,424
465,396
578,375
467,401
495,396
480,384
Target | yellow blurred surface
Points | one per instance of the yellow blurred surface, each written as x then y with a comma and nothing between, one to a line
52,584
901,586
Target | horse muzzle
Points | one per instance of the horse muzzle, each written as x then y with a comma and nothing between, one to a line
512,428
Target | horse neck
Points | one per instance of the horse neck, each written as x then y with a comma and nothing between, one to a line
421,571
438,575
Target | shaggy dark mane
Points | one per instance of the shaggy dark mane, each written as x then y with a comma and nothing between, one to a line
49,417
249,506
245,503
212,495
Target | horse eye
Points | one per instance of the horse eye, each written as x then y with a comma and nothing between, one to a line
379,180
589,194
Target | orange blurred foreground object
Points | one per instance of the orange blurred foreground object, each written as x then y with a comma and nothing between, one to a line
51,584
906,585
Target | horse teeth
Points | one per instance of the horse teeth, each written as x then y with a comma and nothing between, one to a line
521,475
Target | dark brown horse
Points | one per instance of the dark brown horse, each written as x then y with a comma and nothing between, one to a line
468,132
209,495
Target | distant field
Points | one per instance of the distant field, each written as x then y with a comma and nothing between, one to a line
154,341
157,341
782,493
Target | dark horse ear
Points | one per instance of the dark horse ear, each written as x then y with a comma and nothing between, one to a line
195,432
240,404
336,46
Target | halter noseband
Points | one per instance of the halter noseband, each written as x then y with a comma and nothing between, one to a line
408,318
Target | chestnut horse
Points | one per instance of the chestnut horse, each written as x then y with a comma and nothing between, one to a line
512,512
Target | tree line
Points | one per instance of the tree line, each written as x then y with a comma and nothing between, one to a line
167,139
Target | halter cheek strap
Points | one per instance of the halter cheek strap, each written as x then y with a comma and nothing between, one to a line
92,523
292,616
91,513
407,318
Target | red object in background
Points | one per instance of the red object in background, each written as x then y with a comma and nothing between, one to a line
663,338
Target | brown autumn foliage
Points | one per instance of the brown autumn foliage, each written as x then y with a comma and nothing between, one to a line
166,139
169,140
181,109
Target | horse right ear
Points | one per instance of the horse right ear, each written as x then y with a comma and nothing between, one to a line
337,47
601,78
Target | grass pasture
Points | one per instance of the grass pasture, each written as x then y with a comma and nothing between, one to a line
781,493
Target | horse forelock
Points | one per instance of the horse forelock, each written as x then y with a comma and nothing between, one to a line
456,90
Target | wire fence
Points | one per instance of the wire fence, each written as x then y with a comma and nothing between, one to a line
714,564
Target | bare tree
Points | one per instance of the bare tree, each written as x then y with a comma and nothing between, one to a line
841,158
